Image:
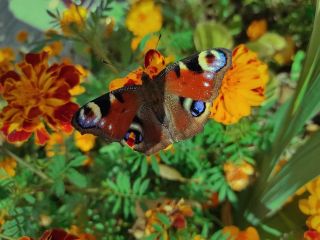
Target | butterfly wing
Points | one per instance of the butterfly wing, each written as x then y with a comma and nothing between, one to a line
123,116
191,85
108,116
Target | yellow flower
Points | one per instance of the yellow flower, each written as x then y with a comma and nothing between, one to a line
9,165
73,19
310,206
22,36
256,29
54,48
243,87
235,234
84,142
238,176
6,58
143,18
55,144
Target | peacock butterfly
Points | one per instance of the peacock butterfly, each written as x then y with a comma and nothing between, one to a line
171,106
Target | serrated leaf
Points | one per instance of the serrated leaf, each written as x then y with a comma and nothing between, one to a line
170,173
76,178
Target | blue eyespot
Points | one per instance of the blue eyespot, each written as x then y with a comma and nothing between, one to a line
137,136
197,108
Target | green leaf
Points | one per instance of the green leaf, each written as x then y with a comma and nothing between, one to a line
58,188
144,186
144,167
155,165
78,161
76,178
294,174
152,236
164,219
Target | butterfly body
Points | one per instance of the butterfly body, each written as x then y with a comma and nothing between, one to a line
172,106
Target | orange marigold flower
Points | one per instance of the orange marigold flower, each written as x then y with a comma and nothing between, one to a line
238,176
243,87
143,13
175,211
256,29
54,234
73,19
81,236
234,233
85,142
310,206
9,166
311,235
37,93
55,144
54,48
22,36
6,57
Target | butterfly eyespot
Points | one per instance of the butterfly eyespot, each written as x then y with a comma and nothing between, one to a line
197,108
133,137
194,107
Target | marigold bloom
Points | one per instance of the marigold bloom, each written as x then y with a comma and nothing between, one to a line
238,176
311,235
81,236
85,142
9,165
6,58
54,234
73,19
256,29
175,211
242,87
55,144
54,48
143,13
235,234
310,206
37,93
22,36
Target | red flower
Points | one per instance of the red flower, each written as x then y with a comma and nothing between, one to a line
36,94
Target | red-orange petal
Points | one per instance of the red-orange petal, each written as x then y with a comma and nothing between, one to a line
65,113
36,58
70,74
18,136
42,136
9,75
57,234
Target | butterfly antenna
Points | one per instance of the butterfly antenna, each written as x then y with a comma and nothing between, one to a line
158,40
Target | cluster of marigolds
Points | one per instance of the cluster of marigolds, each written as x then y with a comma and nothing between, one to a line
40,98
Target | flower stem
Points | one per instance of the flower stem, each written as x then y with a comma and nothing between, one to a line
27,165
